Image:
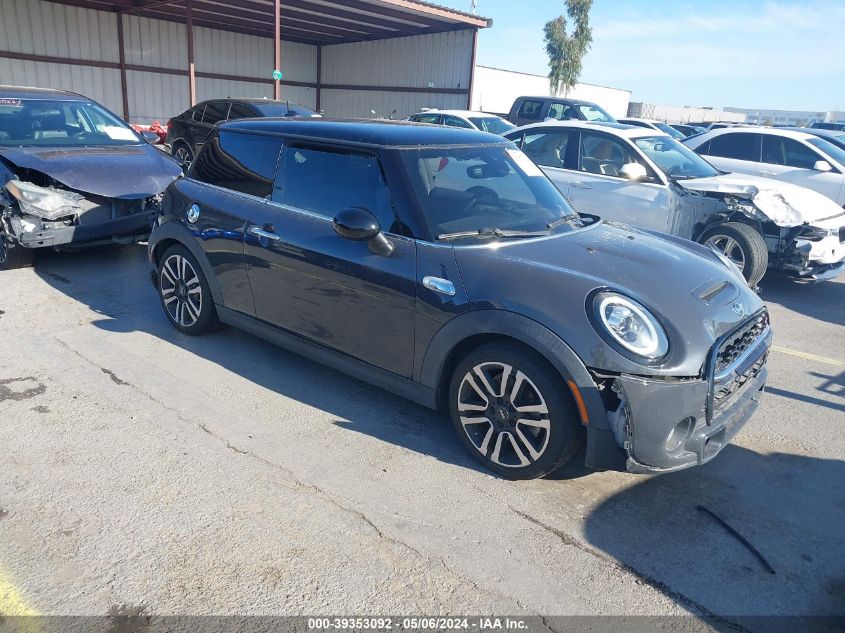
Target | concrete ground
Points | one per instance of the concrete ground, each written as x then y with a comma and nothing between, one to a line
141,469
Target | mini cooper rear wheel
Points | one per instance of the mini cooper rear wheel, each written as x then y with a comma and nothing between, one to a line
513,411
14,256
743,245
184,292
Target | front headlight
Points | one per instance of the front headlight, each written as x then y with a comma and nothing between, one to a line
730,265
49,204
631,325
815,234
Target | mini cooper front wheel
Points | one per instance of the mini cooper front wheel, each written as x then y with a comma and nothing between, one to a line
743,245
184,292
513,411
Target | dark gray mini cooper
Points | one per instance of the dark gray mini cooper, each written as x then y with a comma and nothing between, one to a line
442,265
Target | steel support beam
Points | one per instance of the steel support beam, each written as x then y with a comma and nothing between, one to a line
192,77
319,73
121,51
277,47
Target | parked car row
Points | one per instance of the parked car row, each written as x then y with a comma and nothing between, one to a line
445,263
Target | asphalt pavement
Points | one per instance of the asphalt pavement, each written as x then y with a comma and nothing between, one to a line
141,469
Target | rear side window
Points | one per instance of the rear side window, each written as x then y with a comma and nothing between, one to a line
563,112
326,181
740,145
530,109
778,150
215,112
453,121
241,162
241,111
196,113
426,118
547,149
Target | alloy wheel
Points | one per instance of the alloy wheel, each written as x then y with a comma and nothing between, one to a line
181,291
504,414
183,156
730,248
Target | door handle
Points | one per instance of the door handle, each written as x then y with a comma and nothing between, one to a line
582,185
269,235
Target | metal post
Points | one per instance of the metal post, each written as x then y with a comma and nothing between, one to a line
192,78
472,68
319,74
121,51
277,46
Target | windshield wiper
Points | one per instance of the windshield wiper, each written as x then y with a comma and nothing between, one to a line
573,219
491,233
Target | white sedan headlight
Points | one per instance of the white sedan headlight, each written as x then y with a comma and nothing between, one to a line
631,325
49,204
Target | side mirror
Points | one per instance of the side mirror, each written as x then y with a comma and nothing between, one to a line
633,172
150,137
359,225
822,165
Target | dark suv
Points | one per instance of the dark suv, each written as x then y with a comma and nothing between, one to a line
441,264
527,110
187,132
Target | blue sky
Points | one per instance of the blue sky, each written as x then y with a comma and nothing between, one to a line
746,53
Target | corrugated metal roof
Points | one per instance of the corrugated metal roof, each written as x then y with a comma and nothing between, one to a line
307,21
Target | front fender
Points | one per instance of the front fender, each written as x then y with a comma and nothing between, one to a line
164,235
602,451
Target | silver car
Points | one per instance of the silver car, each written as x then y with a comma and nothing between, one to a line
648,179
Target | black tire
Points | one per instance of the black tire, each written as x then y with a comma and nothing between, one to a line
503,441
743,245
13,256
183,154
184,293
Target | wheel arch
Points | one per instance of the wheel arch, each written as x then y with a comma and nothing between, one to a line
479,327
171,234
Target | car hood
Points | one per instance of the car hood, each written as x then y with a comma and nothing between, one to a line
783,203
689,290
128,172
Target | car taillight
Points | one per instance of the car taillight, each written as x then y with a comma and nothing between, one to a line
169,125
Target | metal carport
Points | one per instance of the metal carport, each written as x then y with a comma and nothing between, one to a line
152,59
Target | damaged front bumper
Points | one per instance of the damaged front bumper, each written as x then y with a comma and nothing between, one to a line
662,425
92,219
819,257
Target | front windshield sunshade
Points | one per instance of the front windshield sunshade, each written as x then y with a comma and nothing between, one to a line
675,159
487,191
55,123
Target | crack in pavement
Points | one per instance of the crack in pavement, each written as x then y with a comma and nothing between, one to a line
661,586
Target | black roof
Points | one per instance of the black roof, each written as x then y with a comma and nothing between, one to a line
24,92
379,133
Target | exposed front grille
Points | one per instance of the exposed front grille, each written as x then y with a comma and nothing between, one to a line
741,340
723,394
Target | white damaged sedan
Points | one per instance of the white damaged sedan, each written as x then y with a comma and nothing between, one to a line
648,179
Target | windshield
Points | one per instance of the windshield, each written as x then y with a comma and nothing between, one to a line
675,159
592,112
485,188
836,153
284,109
492,124
663,127
47,123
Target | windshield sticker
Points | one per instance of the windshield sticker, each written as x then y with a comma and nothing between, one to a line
116,133
524,163
16,103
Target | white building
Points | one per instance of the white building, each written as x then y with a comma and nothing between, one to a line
779,117
681,114
494,90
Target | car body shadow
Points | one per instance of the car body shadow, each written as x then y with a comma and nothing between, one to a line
824,300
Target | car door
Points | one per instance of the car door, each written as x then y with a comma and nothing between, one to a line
311,281
736,152
793,161
214,113
229,182
548,148
597,187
